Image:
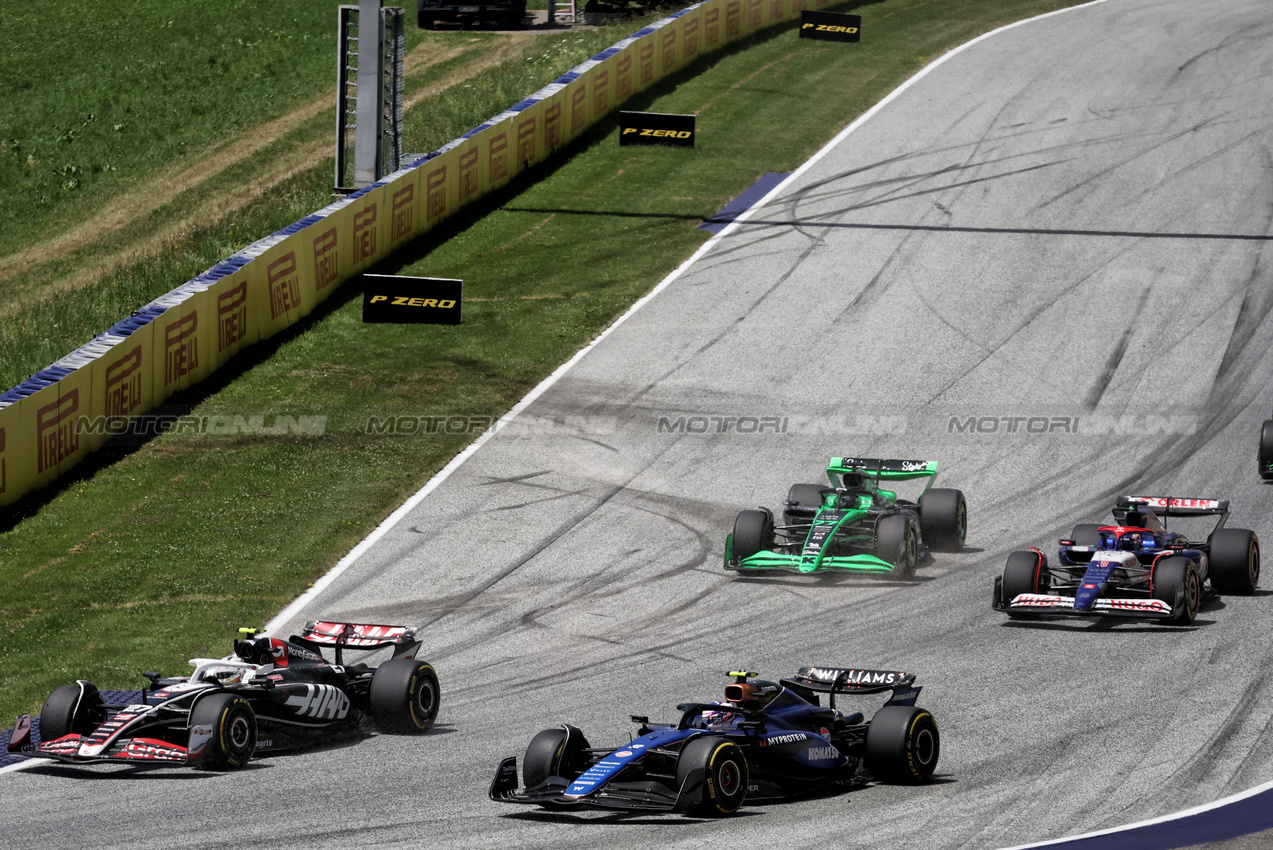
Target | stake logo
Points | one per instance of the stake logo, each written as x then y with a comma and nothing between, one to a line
402,219
326,265
468,173
55,435
232,316
498,162
365,233
526,141
181,347
284,284
123,384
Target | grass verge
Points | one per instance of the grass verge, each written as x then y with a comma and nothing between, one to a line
156,557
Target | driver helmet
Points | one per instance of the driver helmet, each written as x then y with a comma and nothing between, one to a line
723,719
1130,542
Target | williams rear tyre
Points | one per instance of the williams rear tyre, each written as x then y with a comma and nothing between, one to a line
1235,561
1023,573
1170,576
902,745
753,532
943,517
713,771
1086,534
555,752
222,732
1266,450
72,709
404,696
897,541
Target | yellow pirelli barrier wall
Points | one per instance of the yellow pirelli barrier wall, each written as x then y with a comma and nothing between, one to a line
51,421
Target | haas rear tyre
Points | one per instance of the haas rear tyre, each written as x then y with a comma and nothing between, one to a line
1172,577
902,745
555,752
897,542
1266,449
712,771
222,732
943,516
1235,561
72,709
753,532
404,696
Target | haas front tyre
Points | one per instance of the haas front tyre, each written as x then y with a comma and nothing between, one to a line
902,745
943,516
222,732
72,709
712,773
404,696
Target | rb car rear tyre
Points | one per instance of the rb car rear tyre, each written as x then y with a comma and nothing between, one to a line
902,745
555,752
233,723
943,516
1172,574
897,541
1235,561
721,768
404,696
71,709
753,532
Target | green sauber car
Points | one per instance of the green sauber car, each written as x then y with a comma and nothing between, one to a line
853,525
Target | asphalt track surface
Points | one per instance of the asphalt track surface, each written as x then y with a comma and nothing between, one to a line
1069,221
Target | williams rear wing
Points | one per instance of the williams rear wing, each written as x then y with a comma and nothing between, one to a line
811,681
885,470
360,636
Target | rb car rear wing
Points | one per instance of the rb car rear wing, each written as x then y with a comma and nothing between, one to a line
811,681
1165,506
885,470
360,636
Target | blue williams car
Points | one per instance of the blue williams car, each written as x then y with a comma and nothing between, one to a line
766,741
1135,567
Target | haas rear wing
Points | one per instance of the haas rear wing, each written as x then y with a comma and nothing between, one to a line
361,636
811,681
888,470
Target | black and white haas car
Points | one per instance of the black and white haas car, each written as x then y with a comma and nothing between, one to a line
1134,568
766,741
270,695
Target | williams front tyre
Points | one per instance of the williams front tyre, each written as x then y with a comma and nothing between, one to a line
712,773
562,752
